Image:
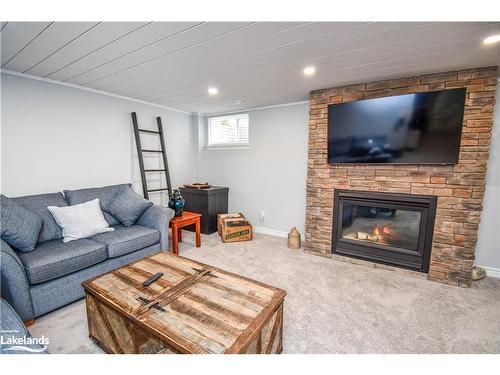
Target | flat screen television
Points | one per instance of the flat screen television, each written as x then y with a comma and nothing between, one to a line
423,128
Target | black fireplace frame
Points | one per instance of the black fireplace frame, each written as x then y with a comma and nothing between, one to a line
417,260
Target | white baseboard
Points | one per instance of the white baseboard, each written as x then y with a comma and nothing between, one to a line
274,232
492,272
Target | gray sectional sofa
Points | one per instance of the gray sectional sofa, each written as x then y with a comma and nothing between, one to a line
37,282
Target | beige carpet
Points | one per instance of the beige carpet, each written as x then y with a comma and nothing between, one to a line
333,306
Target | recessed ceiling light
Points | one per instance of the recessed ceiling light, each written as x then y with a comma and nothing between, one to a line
213,90
492,39
309,71
239,102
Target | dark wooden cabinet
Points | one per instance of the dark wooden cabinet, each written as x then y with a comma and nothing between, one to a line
207,202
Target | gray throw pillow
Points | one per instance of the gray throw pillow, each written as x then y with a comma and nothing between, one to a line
127,206
19,226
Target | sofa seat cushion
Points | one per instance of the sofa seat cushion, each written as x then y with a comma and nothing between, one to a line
124,240
53,259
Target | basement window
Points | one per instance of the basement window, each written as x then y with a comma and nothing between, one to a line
228,132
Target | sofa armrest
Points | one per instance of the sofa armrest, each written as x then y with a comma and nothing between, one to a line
12,328
15,285
158,217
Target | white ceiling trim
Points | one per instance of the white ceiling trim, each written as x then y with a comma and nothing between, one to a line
89,89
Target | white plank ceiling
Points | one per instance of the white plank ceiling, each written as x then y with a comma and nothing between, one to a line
260,63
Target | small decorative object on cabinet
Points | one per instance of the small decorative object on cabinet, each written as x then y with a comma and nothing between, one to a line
197,185
176,202
294,239
208,202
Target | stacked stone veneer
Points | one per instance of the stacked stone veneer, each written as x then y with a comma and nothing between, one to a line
459,188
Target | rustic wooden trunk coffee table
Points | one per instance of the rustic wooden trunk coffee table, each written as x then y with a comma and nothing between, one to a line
192,308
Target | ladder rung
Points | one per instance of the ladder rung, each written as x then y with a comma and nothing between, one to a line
158,151
149,131
154,170
150,191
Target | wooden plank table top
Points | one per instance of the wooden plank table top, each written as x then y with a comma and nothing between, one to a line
192,308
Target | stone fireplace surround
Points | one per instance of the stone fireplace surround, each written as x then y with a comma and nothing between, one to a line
459,188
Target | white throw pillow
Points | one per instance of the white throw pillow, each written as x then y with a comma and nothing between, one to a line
81,220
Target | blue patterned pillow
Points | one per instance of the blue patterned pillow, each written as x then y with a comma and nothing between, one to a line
127,206
19,226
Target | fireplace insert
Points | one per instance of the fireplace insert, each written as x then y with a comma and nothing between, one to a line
387,228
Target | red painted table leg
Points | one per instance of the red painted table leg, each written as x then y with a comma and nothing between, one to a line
175,240
198,234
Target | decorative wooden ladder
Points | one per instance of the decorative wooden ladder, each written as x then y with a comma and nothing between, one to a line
141,152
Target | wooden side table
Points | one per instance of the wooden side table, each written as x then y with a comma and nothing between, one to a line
179,222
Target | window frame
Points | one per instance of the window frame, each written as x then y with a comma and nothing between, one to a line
226,146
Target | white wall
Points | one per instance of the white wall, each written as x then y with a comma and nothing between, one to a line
271,174
488,245
56,137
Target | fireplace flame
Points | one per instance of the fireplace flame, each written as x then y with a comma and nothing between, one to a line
387,230
379,230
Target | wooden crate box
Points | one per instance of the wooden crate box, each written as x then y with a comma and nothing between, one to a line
235,230
222,217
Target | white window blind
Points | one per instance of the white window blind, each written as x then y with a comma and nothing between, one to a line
227,131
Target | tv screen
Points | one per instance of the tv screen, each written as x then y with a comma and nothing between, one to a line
423,128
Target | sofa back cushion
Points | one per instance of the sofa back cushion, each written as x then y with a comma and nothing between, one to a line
38,204
105,194
19,227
